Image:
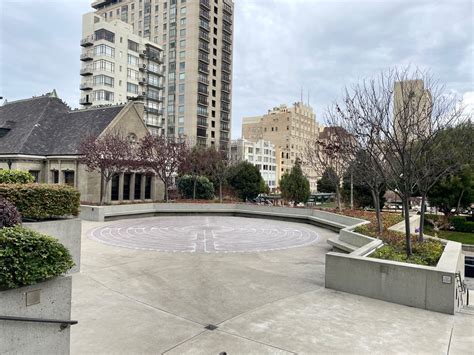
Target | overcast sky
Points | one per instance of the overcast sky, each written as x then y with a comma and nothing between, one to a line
280,47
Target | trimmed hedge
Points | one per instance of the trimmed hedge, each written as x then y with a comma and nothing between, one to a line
28,257
204,188
15,177
460,224
42,201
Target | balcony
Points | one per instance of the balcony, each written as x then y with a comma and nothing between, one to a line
87,55
227,48
154,111
86,70
227,38
227,8
204,36
86,85
226,67
226,78
227,19
226,58
203,80
225,88
85,101
204,15
203,24
203,69
226,98
204,46
227,29
225,107
154,98
87,41
204,57
205,4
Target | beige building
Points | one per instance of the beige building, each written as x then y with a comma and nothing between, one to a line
197,39
42,135
411,108
117,64
260,153
289,129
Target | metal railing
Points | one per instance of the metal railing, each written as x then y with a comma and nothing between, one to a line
63,323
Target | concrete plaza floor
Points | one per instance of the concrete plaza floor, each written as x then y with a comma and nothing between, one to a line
148,302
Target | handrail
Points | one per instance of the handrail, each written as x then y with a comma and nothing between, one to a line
64,323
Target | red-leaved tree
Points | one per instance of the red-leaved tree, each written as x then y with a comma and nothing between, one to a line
163,156
109,155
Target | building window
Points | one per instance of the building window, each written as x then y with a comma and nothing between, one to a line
126,186
114,196
55,176
138,187
183,10
35,174
103,80
103,49
99,95
133,46
148,187
69,177
132,60
102,64
104,34
132,74
132,88
182,43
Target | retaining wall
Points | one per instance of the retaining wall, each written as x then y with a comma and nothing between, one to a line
430,288
67,231
17,337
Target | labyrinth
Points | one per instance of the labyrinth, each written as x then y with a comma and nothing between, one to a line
204,234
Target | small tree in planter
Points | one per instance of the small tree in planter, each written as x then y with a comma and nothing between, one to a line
109,155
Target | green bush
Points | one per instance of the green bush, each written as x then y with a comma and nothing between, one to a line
15,177
28,257
42,201
204,188
460,224
9,215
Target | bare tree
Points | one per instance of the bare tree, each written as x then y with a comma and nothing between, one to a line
109,155
330,151
196,164
217,163
163,156
401,113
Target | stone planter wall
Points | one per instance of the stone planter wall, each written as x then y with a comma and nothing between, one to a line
67,231
17,337
430,288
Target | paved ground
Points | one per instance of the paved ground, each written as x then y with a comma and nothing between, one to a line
132,301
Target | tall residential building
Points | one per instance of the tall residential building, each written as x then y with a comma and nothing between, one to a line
116,64
290,129
411,108
260,153
197,39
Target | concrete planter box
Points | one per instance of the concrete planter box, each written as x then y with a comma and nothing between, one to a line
305,215
430,288
17,337
67,231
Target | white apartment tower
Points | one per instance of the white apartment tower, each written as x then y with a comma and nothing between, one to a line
197,40
117,65
261,154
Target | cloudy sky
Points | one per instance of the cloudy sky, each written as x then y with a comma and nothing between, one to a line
280,47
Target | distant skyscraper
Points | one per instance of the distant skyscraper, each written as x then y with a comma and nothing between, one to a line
196,37
289,129
118,64
411,108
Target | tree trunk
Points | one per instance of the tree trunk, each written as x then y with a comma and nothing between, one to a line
352,192
458,205
376,199
194,187
422,217
406,208
102,188
338,198
220,191
166,190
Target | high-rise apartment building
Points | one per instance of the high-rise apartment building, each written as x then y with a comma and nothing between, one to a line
290,129
197,39
117,64
261,154
412,108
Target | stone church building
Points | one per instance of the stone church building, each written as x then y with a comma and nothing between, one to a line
42,135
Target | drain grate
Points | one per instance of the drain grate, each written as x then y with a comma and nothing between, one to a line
210,327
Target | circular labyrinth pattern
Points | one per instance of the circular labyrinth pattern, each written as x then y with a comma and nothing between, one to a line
205,234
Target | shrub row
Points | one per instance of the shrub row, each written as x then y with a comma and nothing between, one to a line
42,201
204,188
28,257
15,177
460,224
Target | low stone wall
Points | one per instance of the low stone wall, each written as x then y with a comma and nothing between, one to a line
67,231
306,215
430,288
17,337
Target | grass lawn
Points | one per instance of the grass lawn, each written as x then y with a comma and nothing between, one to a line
465,238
